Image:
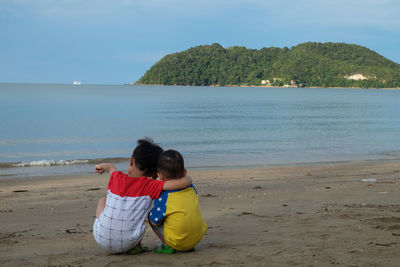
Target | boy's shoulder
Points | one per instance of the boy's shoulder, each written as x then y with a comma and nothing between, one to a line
124,185
119,175
189,188
184,193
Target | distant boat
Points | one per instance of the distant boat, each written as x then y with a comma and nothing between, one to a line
76,83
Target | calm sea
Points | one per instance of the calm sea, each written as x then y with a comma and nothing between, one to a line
62,129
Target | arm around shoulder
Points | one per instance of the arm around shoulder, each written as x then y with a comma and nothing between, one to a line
178,183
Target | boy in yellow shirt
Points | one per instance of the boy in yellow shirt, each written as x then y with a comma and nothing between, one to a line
176,217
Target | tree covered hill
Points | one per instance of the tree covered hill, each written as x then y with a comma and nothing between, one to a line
307,64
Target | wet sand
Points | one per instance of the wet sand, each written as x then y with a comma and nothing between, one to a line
343,214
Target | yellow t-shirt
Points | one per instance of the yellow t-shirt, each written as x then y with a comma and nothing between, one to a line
184,226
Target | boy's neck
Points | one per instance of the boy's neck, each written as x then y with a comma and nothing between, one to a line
134,172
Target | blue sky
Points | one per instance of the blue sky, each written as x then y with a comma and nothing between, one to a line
116,41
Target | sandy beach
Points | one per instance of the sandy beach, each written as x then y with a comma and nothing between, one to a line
344,214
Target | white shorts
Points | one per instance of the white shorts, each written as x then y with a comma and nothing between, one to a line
114,240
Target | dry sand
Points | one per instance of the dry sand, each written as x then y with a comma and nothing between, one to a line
309,215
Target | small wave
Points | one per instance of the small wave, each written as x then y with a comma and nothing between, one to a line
47,163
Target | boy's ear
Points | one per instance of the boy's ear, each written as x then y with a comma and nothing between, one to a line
132,161
184,172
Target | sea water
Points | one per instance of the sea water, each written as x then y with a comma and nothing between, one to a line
65,129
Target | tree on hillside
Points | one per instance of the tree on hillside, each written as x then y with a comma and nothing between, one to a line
309,64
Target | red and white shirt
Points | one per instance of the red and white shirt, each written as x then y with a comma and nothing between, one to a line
120,226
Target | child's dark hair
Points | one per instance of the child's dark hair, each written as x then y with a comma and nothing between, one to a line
171,165
146,156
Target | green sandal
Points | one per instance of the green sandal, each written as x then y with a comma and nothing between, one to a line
137,250
164,249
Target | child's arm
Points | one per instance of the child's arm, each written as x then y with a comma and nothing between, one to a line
178,183
104,167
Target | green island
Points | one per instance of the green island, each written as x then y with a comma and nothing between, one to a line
309,64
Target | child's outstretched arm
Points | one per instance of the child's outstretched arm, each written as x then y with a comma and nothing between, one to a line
178,183
104,167
100,169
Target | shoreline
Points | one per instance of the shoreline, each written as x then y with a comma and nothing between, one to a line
243,168
257,86
346,214
84,169
264,86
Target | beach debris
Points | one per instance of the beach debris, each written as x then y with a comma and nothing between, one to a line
257,187
208,195
77,230
11,235
309,174
20,191
245,213
395,234
284,205
369,180
382,192
72,231
277,253
386,244
327,187
5,210
93,189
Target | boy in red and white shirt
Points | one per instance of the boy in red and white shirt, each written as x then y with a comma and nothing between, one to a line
119,226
